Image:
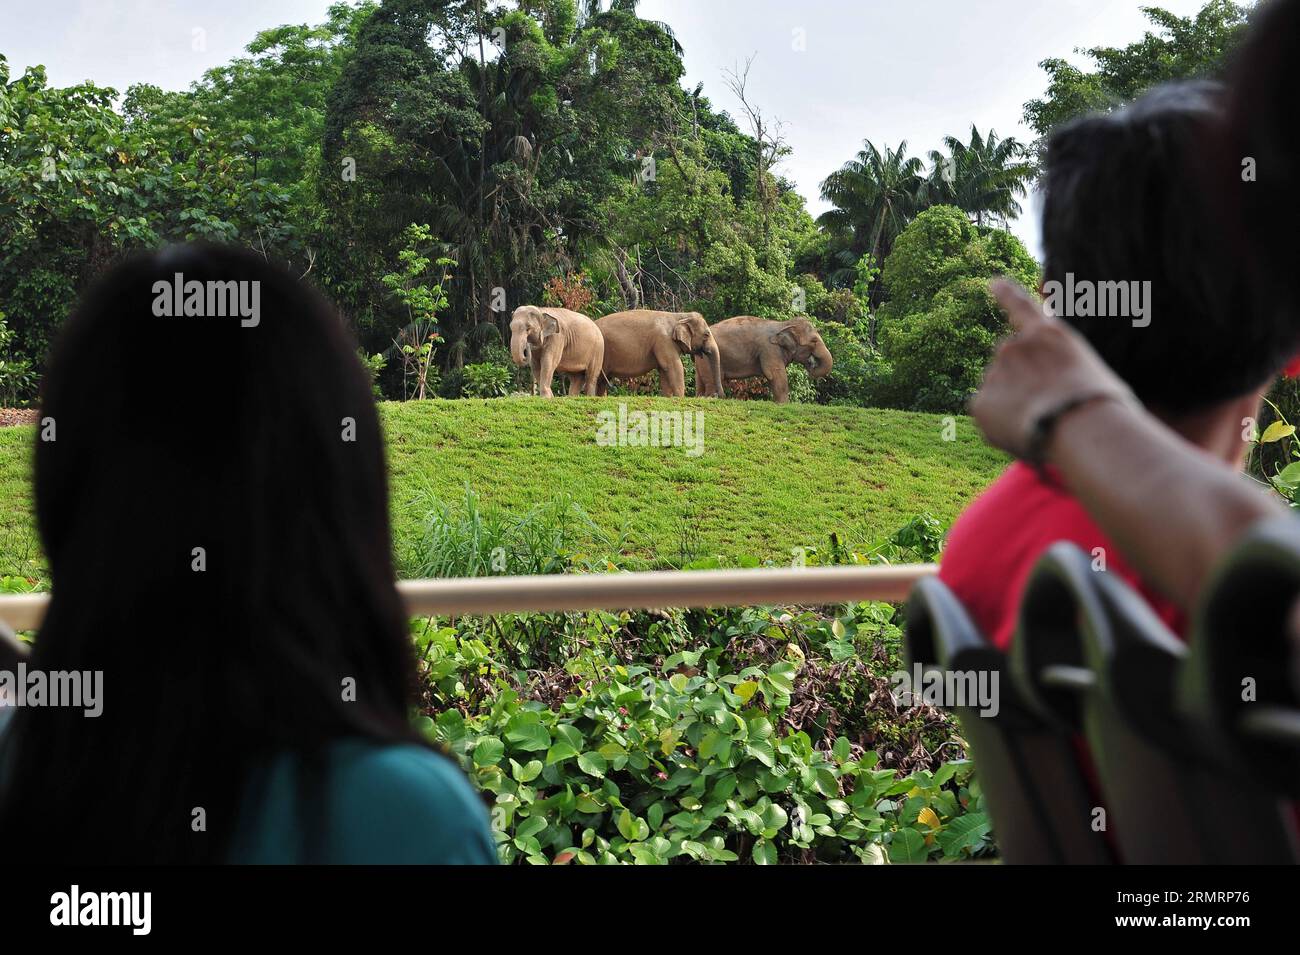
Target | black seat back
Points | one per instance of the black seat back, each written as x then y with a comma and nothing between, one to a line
1094,653
1242,685
1027,769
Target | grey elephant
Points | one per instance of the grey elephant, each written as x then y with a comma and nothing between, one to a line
642,340
759,347
557,339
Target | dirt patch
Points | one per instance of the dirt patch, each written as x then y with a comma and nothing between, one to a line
13,416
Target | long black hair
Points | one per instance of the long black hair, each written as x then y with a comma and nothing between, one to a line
211,493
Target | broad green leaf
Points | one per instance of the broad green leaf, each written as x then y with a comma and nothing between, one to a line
964,832
908,846
529,736
528,772
593,764
764,853
488,751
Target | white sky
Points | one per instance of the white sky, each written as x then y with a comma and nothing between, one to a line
886,70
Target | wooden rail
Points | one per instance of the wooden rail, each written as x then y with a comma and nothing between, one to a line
631,591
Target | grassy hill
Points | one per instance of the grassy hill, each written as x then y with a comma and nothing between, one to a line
769,477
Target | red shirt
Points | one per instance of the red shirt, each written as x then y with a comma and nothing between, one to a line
995,544
998,539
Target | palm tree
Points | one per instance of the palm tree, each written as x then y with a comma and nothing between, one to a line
590,11
875,195
982,177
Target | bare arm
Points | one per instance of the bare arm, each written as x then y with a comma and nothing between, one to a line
1172,509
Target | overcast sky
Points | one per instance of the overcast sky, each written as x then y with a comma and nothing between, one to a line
834,71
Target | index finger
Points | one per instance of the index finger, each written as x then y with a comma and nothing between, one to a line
1023,310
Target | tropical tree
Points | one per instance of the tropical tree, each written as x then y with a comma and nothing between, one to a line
982,177
1181,48
593,9
875,195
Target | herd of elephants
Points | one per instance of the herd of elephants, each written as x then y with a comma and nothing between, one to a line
634,343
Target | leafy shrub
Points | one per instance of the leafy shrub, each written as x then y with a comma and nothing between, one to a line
859,374
374,365
570,291
1274,457
755,745
17,377
744,734
939,324
486,380
1275,451
803,390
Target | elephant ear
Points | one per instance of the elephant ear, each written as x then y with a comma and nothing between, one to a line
787,341
550,324
682,333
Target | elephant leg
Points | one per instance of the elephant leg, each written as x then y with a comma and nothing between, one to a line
602,386
576,382
703,379
548,363
594,375
778,381
672,378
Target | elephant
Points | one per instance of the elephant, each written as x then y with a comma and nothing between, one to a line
555,339
752,347
642,340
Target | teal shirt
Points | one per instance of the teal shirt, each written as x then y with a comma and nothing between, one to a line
387,804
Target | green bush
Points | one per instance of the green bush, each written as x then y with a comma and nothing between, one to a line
803,390
767,742
486,380
939,323
747,734
17,377
859,374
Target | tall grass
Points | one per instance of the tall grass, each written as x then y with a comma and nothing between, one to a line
473,539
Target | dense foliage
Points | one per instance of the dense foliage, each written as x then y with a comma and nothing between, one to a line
431,164
765,735
1179,48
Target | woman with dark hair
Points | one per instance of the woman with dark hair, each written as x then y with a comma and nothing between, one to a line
1049,399
211,492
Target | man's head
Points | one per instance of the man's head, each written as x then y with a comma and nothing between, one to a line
1127,221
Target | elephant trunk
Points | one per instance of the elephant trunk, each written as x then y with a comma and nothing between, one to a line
820,365
713,365
519,352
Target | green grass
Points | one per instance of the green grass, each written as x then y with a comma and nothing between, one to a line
771,477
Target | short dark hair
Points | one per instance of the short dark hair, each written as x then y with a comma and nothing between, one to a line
1125,201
